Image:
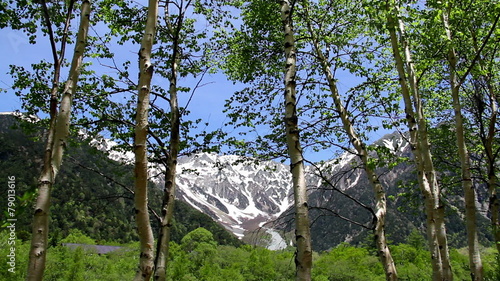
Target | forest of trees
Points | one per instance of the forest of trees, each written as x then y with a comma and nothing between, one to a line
312,77
199,257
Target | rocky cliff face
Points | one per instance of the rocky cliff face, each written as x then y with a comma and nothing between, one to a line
342,201
245,195
240,195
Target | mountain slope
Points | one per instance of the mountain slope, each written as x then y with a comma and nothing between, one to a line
240,196
82,198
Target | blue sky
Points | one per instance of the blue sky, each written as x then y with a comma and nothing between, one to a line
14,49
207,103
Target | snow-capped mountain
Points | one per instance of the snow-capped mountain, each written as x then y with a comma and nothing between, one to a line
245,195
344,193
240,195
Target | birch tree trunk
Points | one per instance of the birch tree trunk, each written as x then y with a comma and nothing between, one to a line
436,231
171,164
427,166
475,263
146,258
494,204
166,219
303,258
360,146
170,186
379,191
56,142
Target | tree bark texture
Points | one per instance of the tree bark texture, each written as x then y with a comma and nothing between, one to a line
56,143
146,258
303,259
170,187
475,262
436,231
488,139
171,164
494,204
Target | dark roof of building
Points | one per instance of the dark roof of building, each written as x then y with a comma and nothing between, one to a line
99,249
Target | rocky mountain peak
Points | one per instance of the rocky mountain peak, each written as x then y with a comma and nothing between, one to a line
239,194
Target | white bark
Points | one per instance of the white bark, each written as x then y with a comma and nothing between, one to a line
171,166
436,231
56,142
303,259
146,258
475,262
494,204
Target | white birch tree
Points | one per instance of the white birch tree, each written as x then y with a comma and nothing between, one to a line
465,163
303,259
146,239
360,146
56,141
417,127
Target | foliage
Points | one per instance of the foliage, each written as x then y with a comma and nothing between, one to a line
76,236
345,262
187,219
412,262
416,239
198,257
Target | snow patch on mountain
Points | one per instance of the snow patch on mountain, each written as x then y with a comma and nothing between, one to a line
109,147
276,242
243,196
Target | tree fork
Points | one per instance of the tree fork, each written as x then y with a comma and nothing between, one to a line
436,231
56,138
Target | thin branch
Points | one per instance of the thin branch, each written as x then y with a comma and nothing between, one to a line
113,181
65,30
193,91
328,182
478,53
323,209
52,40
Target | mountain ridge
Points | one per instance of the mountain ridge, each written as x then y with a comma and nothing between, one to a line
81,198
